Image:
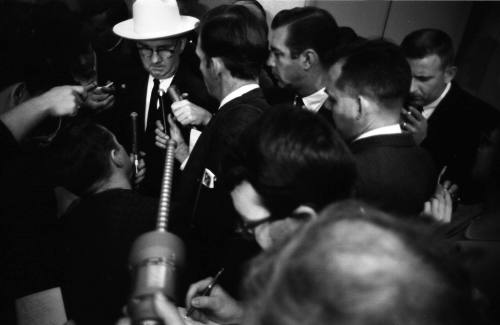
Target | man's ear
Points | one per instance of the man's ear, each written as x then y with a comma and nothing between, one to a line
182,45
308,58
305,211
450,73
216,65
116,159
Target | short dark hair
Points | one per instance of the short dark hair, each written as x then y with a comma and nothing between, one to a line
262,12
293,157
357,265
377,69
257,5
236,35
309,27
79,156
428,41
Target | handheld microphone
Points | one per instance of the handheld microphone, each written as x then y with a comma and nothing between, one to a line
174,93
135,145
156,257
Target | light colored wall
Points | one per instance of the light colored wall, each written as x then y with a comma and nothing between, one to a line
390,19
407,16
365,17
395,19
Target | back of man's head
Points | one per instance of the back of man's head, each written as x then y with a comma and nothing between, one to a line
293,157
234,34
376,69
80,157
309,28
425,42
355,265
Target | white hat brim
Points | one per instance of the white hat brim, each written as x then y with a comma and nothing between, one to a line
125,29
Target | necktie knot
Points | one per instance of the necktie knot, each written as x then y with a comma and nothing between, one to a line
298,102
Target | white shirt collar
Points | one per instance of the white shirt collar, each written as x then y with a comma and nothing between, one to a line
238,92
314,101
164,84
429,109
389,129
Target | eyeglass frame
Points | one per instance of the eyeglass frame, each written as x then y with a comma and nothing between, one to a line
147,52
247,228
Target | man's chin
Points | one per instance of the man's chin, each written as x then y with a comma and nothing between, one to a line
158,73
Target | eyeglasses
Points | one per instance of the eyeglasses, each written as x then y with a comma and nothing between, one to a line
247,229
163,51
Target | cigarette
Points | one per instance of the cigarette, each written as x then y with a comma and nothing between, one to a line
441,174
109,84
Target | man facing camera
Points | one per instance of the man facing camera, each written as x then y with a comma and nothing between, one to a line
451,121
160,35
367,87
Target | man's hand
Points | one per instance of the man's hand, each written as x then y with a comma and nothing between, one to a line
219,307
188,113
440,206
63,100
181,149
141,168
167,312
413,121
99,98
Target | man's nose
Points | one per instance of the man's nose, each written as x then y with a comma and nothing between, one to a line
413,86
270,60
155,57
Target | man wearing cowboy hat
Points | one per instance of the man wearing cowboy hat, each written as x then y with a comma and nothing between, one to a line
160,35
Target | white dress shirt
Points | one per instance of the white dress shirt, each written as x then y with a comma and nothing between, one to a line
429,109
314,101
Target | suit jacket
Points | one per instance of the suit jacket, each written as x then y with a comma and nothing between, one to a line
454,132
204,216
394,173
188,79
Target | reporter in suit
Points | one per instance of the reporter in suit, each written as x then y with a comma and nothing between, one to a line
367,87
452,121
232,48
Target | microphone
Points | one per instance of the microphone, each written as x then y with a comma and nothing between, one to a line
156,257
174,93
135,145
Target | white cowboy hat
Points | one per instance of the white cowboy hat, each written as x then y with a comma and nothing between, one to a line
153,19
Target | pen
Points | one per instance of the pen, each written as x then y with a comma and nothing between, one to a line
206,291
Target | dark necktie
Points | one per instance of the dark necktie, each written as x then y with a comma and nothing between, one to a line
154,112
297,102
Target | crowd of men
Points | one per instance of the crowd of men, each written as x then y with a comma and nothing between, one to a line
321,170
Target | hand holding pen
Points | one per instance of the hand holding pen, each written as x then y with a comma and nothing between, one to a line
207,301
